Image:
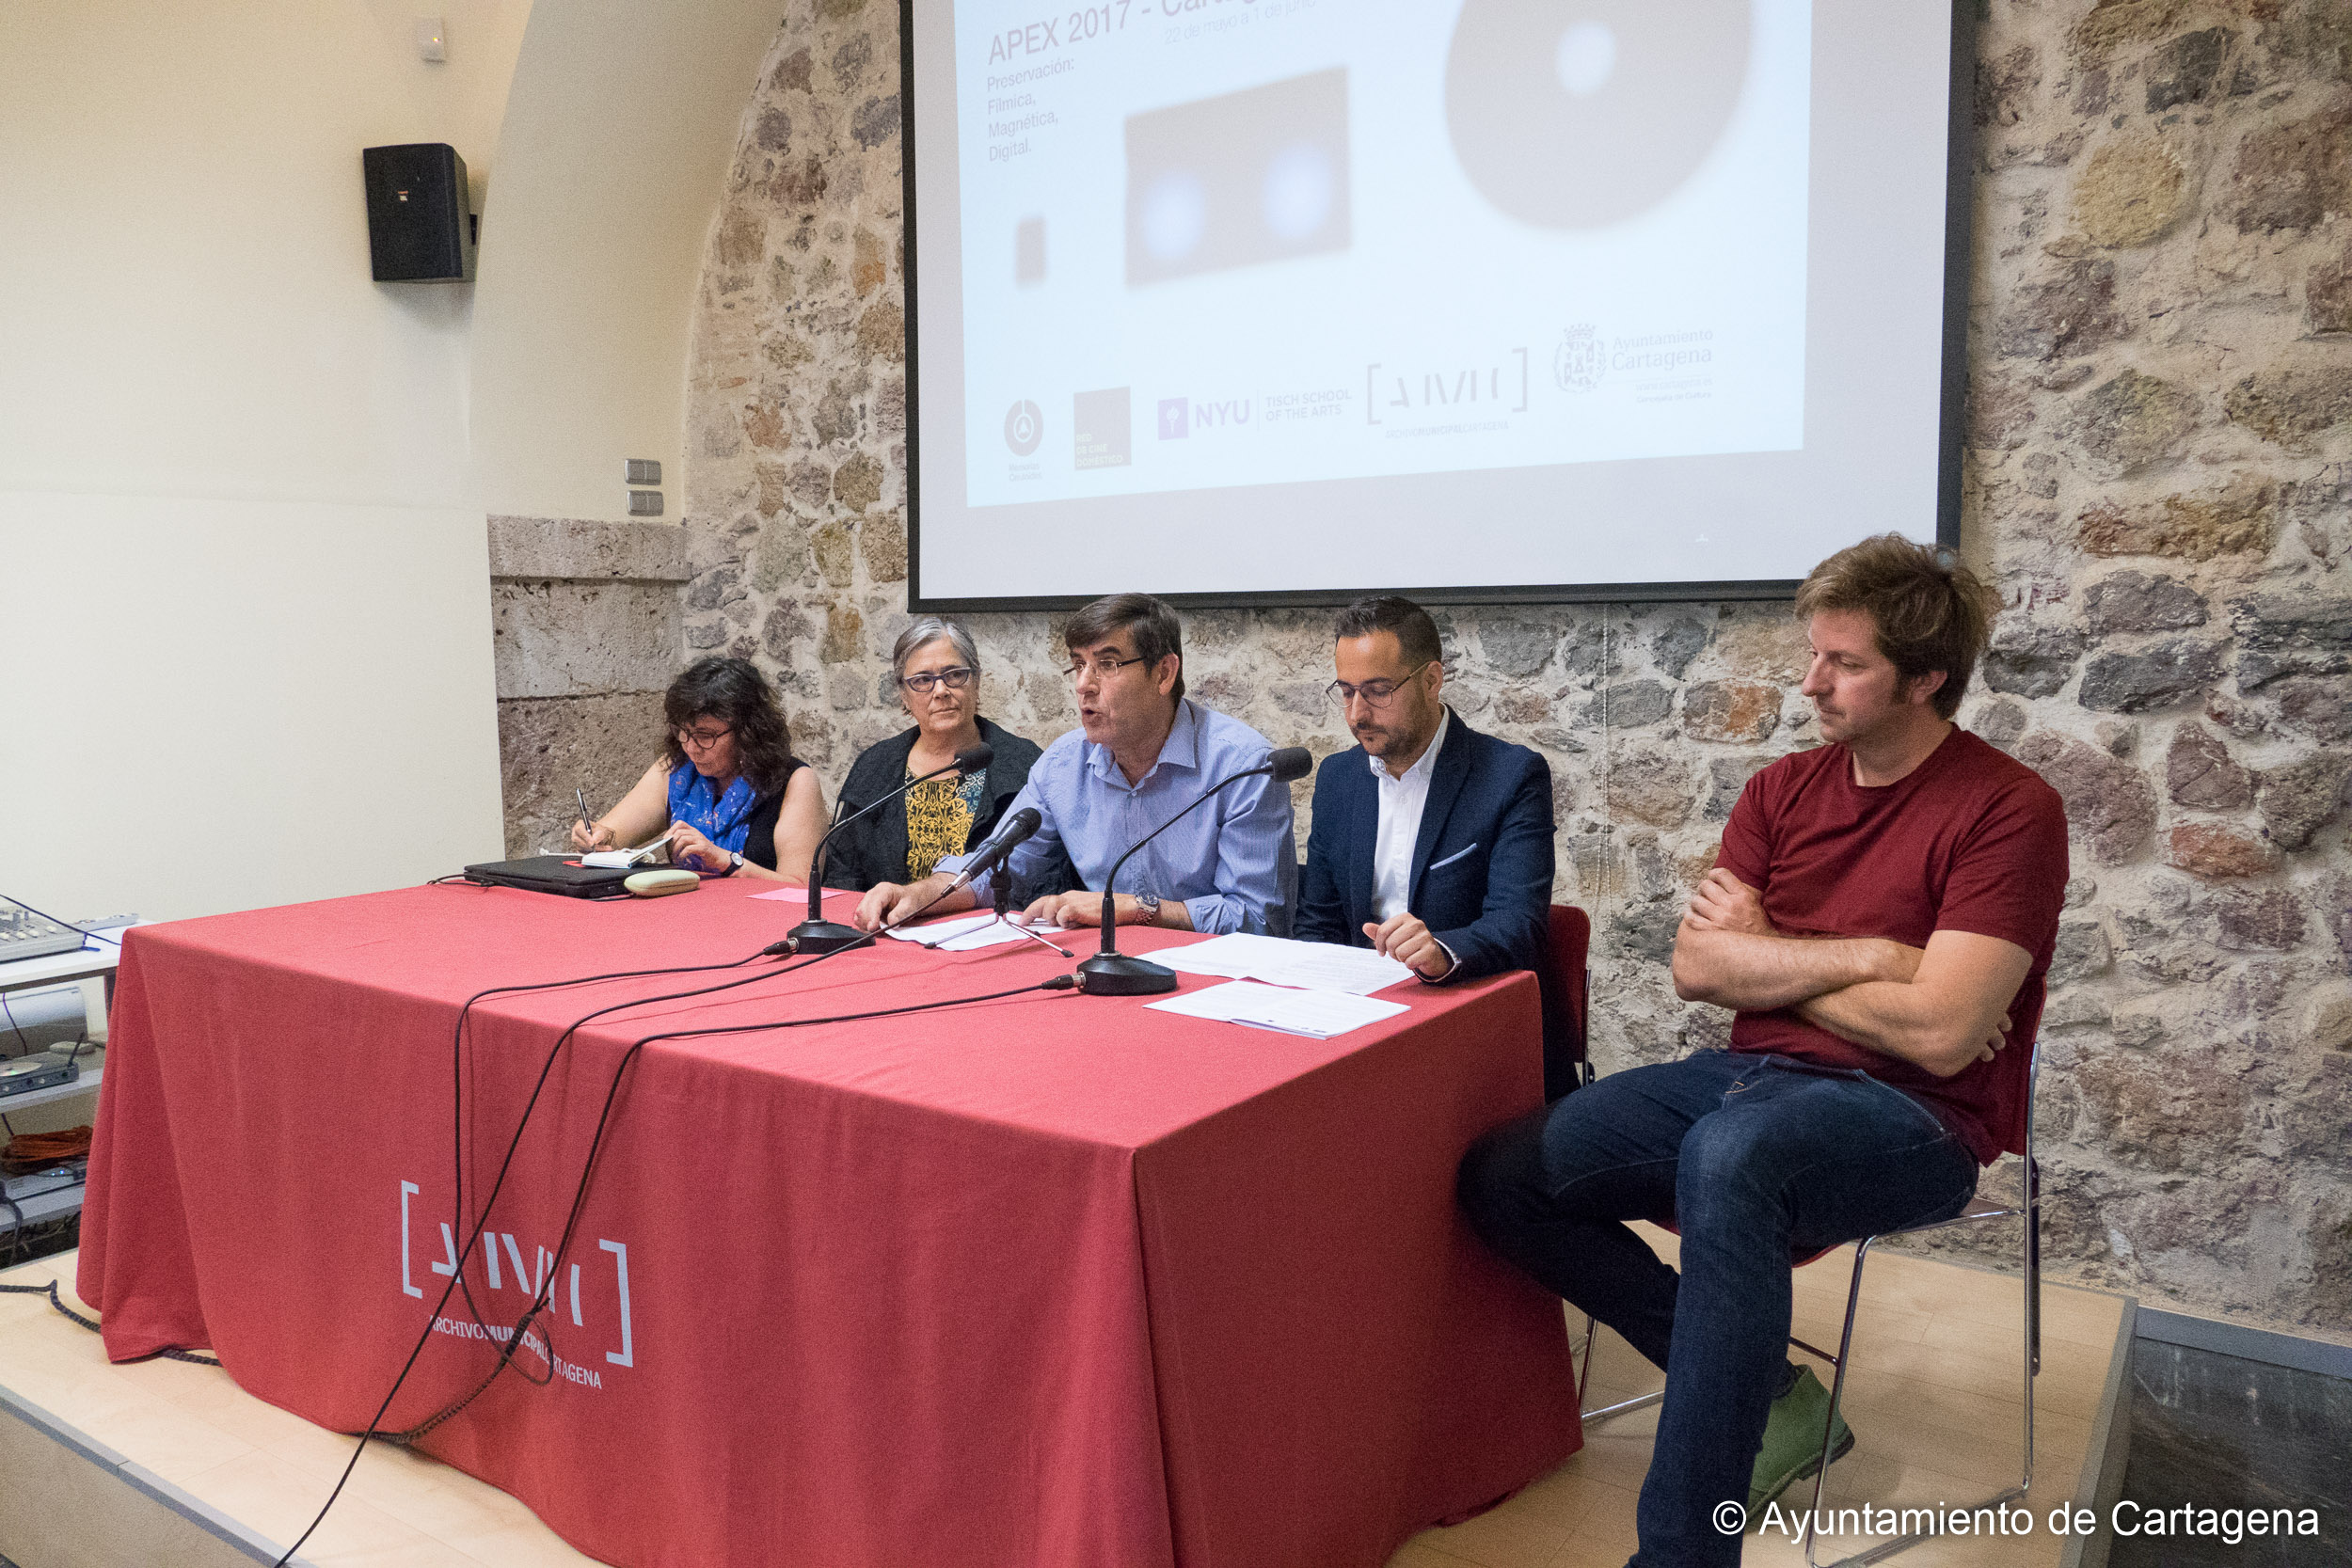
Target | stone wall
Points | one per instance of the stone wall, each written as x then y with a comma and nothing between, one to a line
2159,466
585,627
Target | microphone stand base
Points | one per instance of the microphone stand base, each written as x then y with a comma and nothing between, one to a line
825,936
1017,929
1123,974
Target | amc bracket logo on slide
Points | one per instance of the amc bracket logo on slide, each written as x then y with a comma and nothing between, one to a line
1024,427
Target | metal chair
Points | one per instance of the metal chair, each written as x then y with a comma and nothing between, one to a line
1642,1402
2028,1209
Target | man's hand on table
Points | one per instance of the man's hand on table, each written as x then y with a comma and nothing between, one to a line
1407,940
1086,909
886,903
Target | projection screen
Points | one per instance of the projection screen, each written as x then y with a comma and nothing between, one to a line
1245,301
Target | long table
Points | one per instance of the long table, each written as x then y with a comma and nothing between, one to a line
1050,1279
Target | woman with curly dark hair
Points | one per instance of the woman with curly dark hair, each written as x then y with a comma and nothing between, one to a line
726,786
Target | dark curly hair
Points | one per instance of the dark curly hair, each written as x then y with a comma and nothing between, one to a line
734,692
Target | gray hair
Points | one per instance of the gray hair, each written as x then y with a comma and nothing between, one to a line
930,629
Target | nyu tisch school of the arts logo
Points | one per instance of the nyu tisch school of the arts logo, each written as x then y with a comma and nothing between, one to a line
1578,361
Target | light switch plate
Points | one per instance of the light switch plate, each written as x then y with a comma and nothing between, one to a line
642,470
645,503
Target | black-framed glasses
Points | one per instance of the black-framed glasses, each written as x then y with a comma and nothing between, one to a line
1375,693
955,678
697,739
1102,669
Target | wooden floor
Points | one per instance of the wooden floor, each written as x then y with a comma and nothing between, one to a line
194,1427
1934,1398
1933,1401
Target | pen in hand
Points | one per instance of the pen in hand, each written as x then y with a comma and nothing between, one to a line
585,838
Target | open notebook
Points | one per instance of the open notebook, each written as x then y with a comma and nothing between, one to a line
656,853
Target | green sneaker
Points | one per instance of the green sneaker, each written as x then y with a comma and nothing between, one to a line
1792,1440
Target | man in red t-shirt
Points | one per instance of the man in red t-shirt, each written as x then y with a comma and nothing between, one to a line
1880,918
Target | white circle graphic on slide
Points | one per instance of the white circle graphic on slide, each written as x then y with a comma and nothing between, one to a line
1024,427
1586,56
1297,191
1175,216
1582,114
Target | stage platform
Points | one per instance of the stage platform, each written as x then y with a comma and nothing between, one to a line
165,1463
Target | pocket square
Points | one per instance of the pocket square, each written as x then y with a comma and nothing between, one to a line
1441,866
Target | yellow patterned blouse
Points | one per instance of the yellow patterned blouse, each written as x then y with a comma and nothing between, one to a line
940,813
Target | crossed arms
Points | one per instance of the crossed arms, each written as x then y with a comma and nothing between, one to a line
1941,1007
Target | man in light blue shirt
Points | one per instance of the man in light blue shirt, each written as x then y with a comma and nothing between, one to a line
1142,752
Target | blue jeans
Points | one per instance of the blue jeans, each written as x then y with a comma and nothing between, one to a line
1754,1158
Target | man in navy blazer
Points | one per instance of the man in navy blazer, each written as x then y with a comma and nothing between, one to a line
1431,842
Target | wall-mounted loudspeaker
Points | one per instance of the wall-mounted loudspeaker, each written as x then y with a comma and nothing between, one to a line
419,230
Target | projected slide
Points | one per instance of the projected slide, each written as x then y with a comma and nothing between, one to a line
1208,244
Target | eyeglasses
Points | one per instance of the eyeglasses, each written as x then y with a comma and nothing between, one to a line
694,740
1101,669
1376,694
955,678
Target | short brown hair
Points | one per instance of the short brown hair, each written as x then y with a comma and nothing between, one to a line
1930,612
1158,633
1416,633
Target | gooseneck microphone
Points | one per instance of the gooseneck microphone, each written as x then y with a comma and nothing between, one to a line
817,935
1111,973
1015,832
991,857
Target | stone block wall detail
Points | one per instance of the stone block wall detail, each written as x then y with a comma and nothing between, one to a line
2159,482
586,628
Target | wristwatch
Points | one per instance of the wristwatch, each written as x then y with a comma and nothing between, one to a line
1150,904
734,861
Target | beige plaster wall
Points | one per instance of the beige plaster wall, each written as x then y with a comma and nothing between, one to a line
187,308
242,615
617,141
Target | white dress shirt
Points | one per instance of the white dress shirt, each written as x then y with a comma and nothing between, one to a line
1401,803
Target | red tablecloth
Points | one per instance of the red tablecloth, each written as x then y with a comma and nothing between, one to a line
1048,1280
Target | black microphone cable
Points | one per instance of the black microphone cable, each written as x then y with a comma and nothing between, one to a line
457,1046
457,1088
506,1165
545,1298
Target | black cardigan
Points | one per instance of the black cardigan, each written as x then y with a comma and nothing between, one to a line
874,850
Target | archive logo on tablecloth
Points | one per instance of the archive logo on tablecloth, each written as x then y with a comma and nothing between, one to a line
511,1275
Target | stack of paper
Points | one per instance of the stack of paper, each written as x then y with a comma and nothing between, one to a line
1320,1014
1310,965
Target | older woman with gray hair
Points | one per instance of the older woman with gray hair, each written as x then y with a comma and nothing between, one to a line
937,668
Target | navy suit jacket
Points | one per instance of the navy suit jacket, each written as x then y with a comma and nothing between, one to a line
1481,876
